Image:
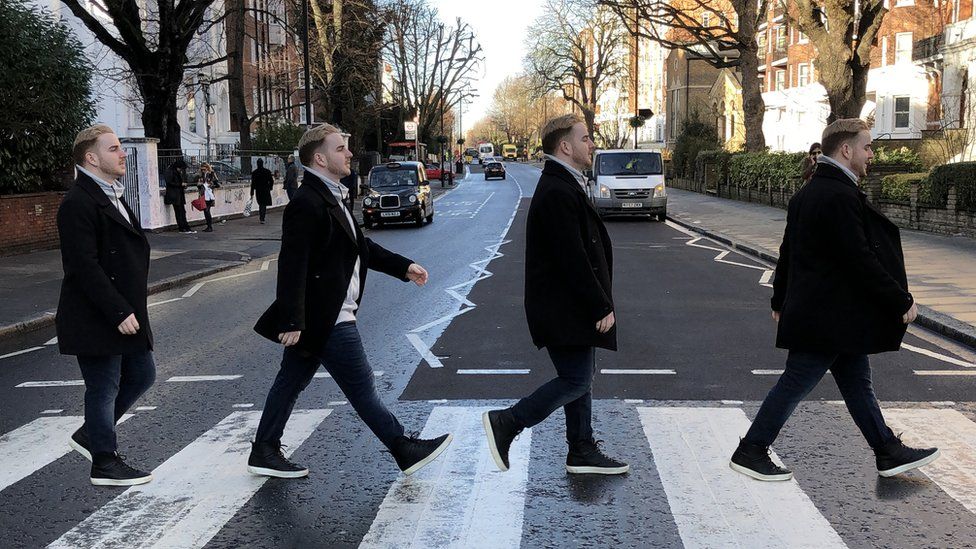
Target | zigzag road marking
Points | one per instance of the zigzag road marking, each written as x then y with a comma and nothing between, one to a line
764,280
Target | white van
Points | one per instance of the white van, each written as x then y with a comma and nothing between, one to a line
629,182
485,151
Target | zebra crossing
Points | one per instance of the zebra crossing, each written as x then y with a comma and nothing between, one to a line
461,500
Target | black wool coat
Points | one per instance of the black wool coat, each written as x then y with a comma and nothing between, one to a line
106,271
568,265
840,282
175,187
318,255
261,184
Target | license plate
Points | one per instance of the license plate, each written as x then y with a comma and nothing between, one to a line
632,205
389,214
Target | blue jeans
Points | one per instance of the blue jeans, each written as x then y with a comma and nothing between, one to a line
344,358
571,390
112,386
803,372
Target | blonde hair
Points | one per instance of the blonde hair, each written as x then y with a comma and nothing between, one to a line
312,139
556,130
206,166
841,131
85,141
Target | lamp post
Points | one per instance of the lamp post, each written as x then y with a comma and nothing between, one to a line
205,86
308,86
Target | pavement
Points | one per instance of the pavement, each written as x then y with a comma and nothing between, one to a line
941,269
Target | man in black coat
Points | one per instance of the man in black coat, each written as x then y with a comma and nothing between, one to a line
840,293
261,184
175,193
321,277
291,177
102,312
568,301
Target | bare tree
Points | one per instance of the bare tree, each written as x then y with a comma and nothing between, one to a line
573,49
708,30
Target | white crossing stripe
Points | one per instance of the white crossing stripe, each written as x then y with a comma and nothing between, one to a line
327,375
187,379
715,506
21,352
489,372
612,371
459,500
193,494
954,435
932,354
945,372
53,411
767,372
59,383
29,448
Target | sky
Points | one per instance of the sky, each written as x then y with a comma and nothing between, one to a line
500,26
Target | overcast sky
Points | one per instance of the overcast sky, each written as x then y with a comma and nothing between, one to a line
500,26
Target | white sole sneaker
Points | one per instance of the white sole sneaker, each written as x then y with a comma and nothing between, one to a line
759,476
121,482
491,443
583,470
79,448
265,472
909,466
433,455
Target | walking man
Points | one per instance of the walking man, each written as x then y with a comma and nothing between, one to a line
176,193
321,276
291,177
568,301
840,293
102,313
261,184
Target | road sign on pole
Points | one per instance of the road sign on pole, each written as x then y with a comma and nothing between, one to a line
410,129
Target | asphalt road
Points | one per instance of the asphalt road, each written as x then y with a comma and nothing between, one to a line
696,357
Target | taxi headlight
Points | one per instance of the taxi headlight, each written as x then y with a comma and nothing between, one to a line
367,201
413,199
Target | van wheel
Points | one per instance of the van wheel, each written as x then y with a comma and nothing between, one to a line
662,217
368,224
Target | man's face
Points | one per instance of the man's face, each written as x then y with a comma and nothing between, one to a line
860,153
334,156
580,146
108,156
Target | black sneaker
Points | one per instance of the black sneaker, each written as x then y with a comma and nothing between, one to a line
111,470
895,458
586,457
79,443
267,460
412,453
501,430
754,461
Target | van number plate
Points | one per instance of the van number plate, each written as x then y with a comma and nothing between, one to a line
632,205
389,214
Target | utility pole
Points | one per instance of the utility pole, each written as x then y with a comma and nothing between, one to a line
636,85
308,84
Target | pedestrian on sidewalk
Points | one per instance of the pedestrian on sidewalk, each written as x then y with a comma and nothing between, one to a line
568,301
809,163
840,293
261,184
322,271
102,316
291,177
205,186
176,193
351,183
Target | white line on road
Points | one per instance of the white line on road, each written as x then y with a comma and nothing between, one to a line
766,277
459,500
193,290
194,493
937,356
634,401
58,383
51,341
244,405
767,372
145,408
424,351
21,352
190,379
732,402
945,372
488,372
55,411
611,371
327,375
165,302
478,210
29,448
338,403
715,506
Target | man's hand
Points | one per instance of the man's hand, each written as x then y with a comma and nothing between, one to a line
910,316
130,325
417,274
776,316
289,338
604,325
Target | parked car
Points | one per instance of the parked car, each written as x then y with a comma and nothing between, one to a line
628,182
434,172
226,172
495,168
398,192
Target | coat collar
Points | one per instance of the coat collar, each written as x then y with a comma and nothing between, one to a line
830,171
556,169
337,213
87,184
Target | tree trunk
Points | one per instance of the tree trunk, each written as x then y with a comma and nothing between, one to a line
159,113
753,106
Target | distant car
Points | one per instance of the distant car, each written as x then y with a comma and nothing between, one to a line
434,172
493,168
470,154
398,192
226,172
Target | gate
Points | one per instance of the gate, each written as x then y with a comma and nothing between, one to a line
131,182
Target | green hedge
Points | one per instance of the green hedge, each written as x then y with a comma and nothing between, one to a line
937,191
966,196
898,187
695,137
902,158
752,170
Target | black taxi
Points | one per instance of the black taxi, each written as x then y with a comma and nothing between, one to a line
398,192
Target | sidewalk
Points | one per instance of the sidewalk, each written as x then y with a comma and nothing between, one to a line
941,269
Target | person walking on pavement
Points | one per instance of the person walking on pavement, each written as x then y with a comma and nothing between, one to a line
205,186
840,293
351,183
176,193
321,276
568,301
809,163
291,177
261,184
102,316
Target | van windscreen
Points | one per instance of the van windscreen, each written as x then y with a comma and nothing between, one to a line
635,163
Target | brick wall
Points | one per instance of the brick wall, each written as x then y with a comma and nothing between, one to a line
28,222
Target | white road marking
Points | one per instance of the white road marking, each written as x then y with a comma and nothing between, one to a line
767,372
165,302
942,403
489,372
193,290
193,494
59,383
145,408
338,403
327,375
611,371
460,500
190,379
478,210
21,352
955,436
55,411
35,445
945,372
938,356
715,506
244,405
767,277
732,402
634,400
438,401
51,341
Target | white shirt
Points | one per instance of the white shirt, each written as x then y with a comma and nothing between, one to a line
824,159
572,171
349,306
112,190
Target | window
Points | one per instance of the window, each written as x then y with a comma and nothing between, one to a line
801,38
884,51
780,80
781,38
902,110
706,19
762,44
803,74
903,47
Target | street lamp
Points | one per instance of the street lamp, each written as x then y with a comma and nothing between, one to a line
205,86
308,85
